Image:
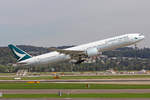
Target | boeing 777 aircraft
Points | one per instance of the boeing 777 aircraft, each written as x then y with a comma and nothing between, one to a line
78,53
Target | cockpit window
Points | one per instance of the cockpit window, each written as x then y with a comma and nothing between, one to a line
136,38
140,34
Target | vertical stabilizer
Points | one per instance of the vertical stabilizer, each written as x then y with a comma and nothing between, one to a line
19,54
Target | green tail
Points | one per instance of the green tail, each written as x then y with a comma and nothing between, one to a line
19,54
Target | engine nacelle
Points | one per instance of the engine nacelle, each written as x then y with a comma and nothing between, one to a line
92,52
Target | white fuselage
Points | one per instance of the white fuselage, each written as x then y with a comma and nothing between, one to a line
102,45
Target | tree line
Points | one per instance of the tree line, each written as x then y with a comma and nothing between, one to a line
127,58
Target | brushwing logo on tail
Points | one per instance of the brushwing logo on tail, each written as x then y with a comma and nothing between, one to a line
19,55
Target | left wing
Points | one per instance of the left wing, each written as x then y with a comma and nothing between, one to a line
78,55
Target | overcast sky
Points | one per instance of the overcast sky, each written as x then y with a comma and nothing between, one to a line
71,22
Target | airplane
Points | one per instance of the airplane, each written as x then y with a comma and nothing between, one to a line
78,53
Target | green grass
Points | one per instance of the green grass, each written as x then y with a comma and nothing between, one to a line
81,77
8,74
69,86
109,95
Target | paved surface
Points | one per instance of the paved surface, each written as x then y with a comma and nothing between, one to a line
83,80
75,91
78,99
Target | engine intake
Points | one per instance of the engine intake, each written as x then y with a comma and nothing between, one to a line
92,52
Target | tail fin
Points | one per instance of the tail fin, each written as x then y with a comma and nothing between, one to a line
19,54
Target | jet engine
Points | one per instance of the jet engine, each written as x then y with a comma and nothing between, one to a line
92,52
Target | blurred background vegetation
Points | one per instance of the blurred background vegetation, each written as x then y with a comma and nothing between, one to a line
127,58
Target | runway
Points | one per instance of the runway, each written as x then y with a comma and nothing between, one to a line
98,81
79,99
73,91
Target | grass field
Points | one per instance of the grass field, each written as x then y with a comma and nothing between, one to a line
118,95
69,86
81,77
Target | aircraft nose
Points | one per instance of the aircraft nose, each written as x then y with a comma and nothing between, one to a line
142,37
